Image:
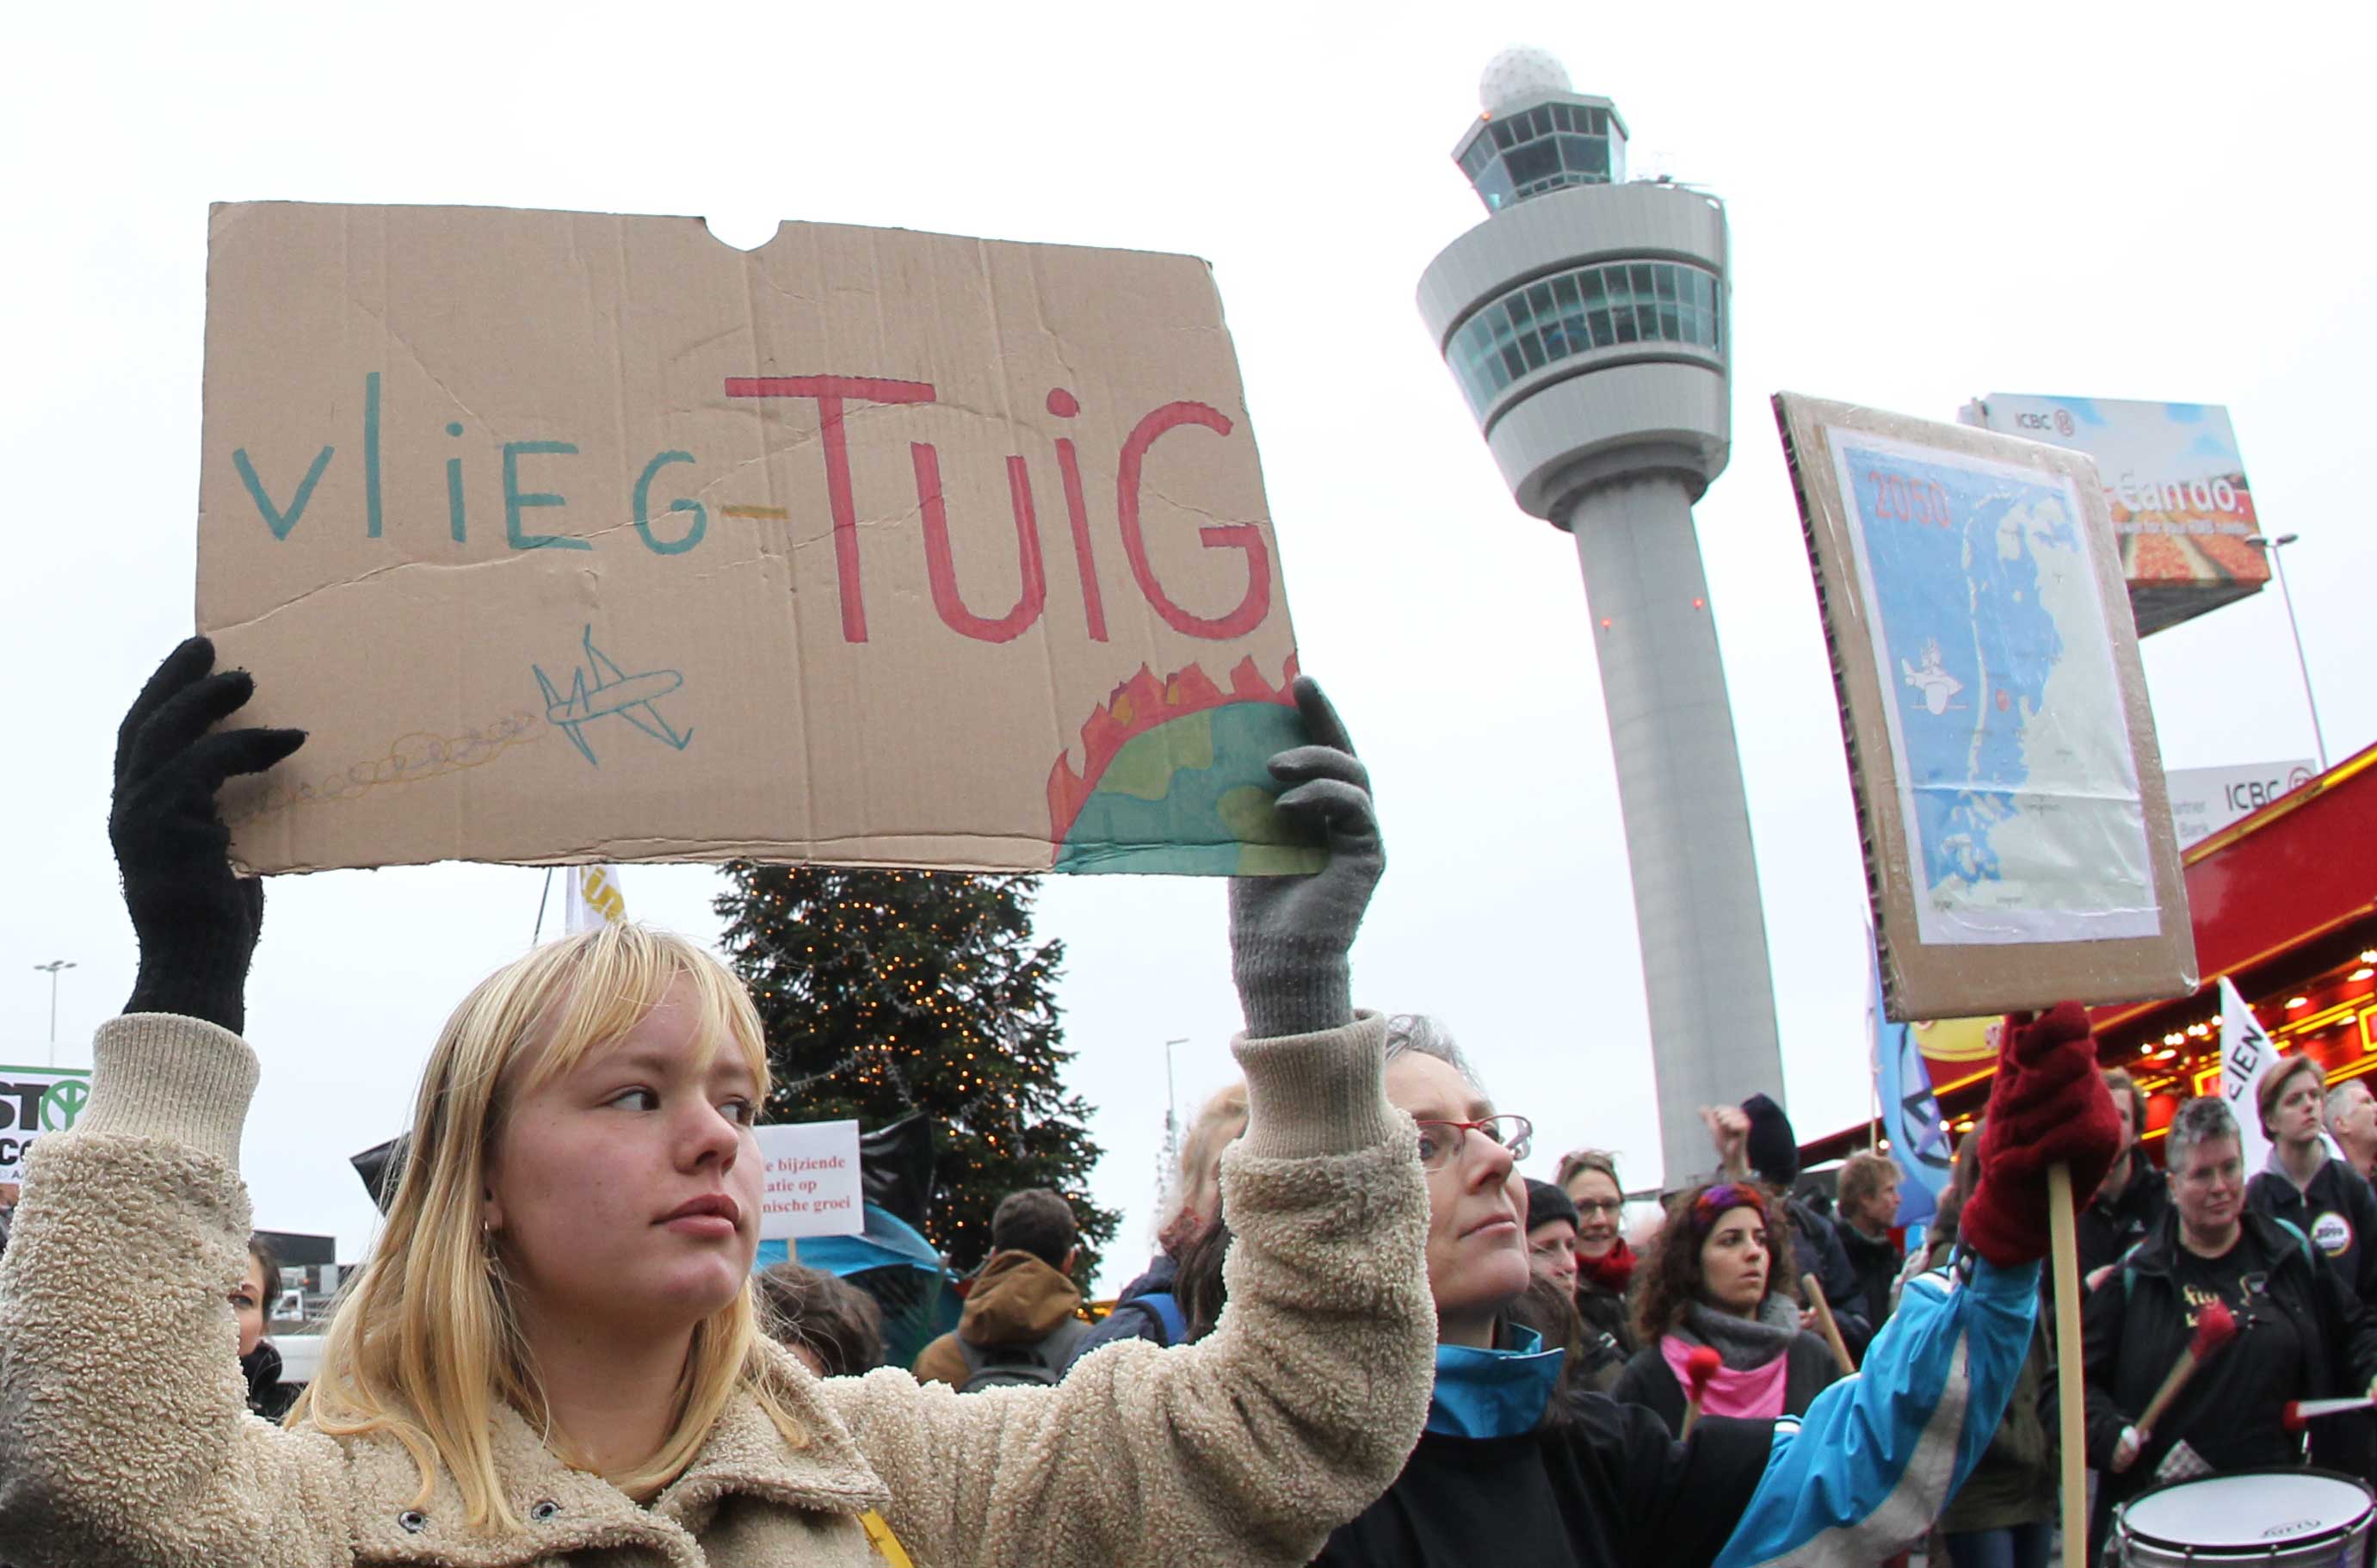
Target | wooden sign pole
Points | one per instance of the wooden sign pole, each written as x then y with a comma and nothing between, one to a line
2064,1250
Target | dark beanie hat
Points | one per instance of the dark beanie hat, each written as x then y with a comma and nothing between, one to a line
1774,1148
1546,1202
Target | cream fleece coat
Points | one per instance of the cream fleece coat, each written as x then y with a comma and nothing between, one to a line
125,1439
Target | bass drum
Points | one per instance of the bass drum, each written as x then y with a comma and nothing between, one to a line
2276,1518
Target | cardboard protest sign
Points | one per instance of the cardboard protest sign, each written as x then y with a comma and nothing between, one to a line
811,1181
583,538
34,1100
2018,837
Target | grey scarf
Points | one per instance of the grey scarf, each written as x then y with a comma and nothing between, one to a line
1744,1344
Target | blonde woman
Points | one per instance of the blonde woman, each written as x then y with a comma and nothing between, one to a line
1150,1306
552,1356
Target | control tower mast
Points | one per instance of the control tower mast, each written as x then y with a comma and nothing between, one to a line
1588,320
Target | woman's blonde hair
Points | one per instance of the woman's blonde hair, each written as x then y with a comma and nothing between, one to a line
425,1340
1197,1186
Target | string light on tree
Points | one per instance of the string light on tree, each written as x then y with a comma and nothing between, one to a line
884,993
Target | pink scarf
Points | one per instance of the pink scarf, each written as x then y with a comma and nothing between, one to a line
1756,1393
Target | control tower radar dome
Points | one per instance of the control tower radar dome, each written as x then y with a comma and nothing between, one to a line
1516,75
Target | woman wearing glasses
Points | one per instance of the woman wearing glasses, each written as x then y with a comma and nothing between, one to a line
1710,1280
1605,1264
1512,1469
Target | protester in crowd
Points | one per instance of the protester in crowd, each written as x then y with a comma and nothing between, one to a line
830,1326
1711,1281
552,1353
1755,1143
2352,1123
1549,1306
1509,1471
1148,1307
2301,1333
1551,1233
251,1309
2321,1197
1869,1209
1022,1318
2130,1204
2003,1516
1605,1263
2302,1185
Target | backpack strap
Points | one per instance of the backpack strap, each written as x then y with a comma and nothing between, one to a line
1164,1307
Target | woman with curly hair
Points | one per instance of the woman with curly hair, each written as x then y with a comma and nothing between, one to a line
1712,1279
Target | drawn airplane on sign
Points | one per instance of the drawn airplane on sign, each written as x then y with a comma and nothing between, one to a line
614,694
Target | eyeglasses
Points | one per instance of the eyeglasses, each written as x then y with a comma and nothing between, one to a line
1441,1142
1600,1205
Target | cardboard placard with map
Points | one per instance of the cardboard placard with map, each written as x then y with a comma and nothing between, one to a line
574,537
2017,828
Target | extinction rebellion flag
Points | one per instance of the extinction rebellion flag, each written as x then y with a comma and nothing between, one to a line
1910,1116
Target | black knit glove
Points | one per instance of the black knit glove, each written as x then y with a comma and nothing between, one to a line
196,922
1289,936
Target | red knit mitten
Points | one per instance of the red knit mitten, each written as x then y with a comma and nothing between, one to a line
2048,1106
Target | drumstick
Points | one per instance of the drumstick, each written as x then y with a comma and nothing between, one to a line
2214,1327
1699,1365
1824,1311
2064,1249
2300,1413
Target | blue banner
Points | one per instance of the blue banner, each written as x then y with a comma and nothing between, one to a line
1910,1115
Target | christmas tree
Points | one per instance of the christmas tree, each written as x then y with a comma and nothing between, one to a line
888,992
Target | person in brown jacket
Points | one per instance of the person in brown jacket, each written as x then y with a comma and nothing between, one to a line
1022,1320
552,1358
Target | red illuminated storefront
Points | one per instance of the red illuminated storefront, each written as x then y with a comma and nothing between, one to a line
2284,903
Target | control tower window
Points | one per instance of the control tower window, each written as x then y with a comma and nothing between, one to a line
1543,149
1582,311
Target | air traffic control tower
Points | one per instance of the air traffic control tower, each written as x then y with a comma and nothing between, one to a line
1588,322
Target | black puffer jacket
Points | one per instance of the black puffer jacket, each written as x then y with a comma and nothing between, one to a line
1876,1266
1818,1250
1605,1311
267,1395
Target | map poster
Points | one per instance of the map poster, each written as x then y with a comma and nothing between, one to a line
2017,826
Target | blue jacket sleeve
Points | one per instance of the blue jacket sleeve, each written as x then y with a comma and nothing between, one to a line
1879,1454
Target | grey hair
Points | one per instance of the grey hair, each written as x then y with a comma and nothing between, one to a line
2204,1120
1419,1034
2336,1098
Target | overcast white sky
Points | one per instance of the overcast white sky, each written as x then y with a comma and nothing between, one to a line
2146,201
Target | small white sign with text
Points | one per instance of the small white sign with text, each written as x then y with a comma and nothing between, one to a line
809,1180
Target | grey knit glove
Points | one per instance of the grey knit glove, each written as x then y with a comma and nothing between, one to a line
1289,936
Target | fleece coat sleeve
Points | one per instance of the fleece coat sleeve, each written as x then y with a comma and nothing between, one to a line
1879,1454
124,1436
1248,1447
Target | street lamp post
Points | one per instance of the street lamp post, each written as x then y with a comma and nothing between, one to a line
52,969
1171,1113
2273,548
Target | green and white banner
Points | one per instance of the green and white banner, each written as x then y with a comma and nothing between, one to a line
34,1100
